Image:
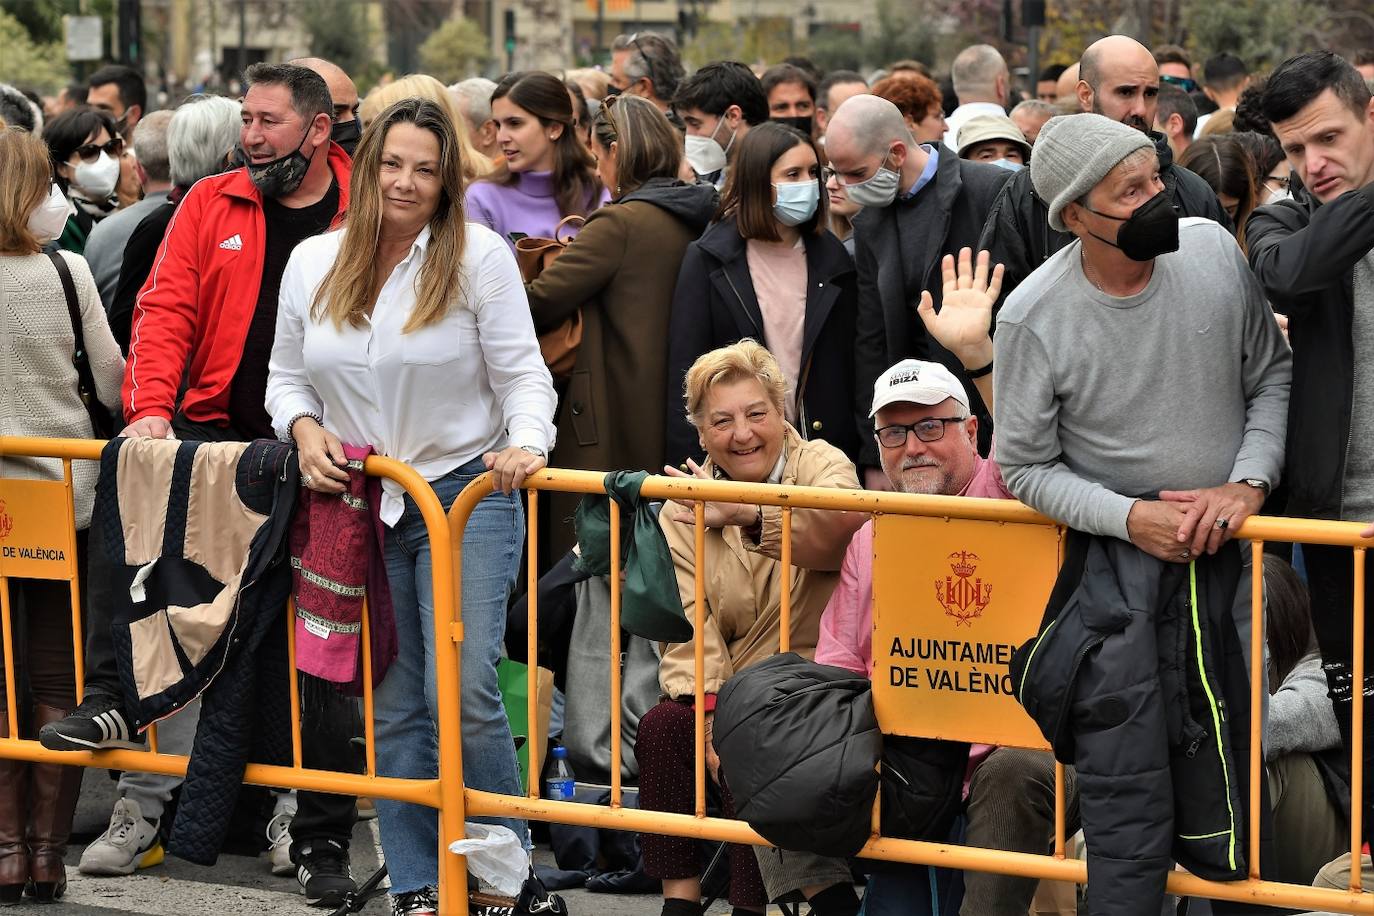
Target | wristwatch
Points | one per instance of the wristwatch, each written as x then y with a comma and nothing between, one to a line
1257,484
535,450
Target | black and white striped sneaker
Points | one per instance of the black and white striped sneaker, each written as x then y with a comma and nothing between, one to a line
99,722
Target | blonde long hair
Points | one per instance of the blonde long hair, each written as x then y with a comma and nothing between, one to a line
423,86
347,289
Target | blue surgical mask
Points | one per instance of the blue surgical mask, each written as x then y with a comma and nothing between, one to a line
796,201
878,191
1008,165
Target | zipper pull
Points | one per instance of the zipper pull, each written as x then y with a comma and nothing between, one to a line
1193,748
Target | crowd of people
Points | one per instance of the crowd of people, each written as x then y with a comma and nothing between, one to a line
772,276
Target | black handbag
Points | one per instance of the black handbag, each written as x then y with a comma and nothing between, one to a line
102,420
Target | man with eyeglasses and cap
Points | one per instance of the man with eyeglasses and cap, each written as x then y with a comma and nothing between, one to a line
927,442
646,64
1141,399
920,202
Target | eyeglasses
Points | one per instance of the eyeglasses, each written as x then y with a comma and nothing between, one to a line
931,429
90,152
1279,182
1182,82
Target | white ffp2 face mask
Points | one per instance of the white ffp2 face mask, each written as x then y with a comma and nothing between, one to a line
97,180
49,218
705,154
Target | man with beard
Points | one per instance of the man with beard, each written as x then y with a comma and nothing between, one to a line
202,335
1118,78
928,444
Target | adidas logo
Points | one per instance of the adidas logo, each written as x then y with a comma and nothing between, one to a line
233,243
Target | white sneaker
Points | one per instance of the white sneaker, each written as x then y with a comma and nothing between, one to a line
279,836
130,842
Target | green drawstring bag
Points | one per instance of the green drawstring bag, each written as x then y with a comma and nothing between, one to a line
650,604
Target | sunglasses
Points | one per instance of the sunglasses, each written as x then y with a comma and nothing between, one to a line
90,152
1187,85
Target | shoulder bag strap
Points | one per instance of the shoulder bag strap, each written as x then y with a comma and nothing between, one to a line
85,381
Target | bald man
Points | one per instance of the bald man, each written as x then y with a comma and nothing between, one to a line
1118,78
1068,80
347,129
982,84
920,202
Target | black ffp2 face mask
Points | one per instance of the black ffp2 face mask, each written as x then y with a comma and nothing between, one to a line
346,134
1150,231
801,123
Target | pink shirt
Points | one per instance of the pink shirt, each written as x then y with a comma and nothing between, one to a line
846,637
779,275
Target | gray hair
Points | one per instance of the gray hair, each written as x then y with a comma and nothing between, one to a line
975,70
150,142
17,111
1036,107
203,131
654,56
474,99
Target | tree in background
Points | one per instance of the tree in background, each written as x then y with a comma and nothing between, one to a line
454,51
339,31
28,64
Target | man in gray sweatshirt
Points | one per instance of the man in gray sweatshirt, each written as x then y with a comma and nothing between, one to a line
1142,381
1141,393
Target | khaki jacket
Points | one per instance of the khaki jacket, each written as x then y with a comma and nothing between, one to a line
744,580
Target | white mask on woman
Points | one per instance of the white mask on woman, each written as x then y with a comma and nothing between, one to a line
49,218
97,180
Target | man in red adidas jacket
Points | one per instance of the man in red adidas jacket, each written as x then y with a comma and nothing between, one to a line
201,339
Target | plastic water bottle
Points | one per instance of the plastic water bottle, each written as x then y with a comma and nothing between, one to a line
559,784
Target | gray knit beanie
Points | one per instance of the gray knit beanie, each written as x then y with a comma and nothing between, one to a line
1073,153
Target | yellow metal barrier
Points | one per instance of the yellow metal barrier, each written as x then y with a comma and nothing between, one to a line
1003,513
34,531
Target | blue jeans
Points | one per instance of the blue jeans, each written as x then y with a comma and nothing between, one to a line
406,704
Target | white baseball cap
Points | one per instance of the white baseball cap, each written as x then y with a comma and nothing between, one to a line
914,381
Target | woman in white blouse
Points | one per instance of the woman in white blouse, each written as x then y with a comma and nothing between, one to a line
408,330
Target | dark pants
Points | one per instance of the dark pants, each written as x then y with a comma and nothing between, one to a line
1331,580
328,719
664,749
41,624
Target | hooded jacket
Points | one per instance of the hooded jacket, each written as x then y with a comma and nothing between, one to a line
620,271
1304,254
715,305
1138,680
1018,233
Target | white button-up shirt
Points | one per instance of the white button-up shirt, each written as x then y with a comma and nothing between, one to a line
435,398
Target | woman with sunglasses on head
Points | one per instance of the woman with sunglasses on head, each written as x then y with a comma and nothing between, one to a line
408,331
770,269
547,174
85,149
620,273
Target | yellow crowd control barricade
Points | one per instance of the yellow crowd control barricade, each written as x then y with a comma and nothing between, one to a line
957,583
38,541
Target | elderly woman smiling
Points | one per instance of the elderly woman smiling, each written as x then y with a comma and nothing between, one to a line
735,397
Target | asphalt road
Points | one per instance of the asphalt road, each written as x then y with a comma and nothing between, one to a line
241,885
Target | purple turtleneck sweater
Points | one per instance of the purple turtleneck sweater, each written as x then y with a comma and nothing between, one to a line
527,206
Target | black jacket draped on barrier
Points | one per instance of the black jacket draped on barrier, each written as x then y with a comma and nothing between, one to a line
195,547
1138,680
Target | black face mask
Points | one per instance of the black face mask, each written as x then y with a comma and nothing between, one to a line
281,176
1150,231
346,134
802,124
